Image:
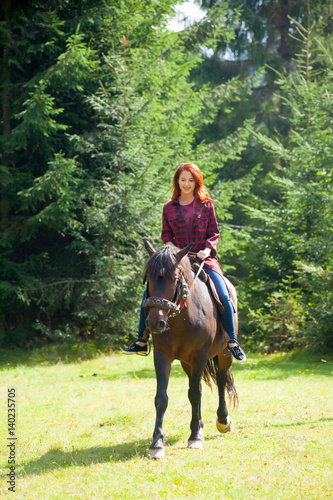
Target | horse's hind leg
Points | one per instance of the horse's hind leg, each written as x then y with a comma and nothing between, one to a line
162,369
223,421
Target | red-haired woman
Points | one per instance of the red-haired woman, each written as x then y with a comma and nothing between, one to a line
190,218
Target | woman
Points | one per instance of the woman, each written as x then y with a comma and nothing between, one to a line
190,218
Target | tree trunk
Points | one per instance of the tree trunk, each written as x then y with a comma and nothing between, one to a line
281,11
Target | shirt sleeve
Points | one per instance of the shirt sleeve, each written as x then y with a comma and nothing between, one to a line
213,232
167,233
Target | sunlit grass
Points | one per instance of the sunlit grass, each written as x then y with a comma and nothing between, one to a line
86,416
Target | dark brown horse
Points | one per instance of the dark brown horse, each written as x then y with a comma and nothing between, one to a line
188,329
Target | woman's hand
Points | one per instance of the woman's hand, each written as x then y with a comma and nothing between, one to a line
203,254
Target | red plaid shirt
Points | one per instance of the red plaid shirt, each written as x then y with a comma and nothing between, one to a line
205,232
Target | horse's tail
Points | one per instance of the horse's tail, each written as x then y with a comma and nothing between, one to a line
231,388
210,375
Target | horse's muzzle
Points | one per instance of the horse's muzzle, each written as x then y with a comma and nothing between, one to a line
156,327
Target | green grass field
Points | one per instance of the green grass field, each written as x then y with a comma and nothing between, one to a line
85,419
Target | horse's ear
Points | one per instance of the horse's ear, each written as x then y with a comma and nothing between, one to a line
149,247
184,252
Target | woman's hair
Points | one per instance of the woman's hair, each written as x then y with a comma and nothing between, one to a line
200,191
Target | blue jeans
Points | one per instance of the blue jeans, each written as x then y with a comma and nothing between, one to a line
143,316
227,317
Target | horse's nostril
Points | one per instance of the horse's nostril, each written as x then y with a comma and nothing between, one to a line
161,324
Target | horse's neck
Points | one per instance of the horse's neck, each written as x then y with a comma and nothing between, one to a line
198,290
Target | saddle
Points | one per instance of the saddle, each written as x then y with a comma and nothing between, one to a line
209,282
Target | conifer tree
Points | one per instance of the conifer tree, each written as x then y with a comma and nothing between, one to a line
299,240
102,119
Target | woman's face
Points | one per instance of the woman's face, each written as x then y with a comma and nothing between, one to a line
186,182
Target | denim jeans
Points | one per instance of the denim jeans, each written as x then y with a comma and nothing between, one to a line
143,316
228,316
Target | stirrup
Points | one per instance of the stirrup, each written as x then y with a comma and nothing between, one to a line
144,354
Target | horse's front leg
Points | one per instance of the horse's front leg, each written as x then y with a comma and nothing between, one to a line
196,438
162,370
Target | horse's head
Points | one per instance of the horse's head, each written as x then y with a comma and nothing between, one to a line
163,272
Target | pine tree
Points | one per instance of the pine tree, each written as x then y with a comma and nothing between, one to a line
51,62
299,242
103,118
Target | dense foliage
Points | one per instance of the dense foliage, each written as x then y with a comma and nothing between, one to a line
299,224
284,254
100,104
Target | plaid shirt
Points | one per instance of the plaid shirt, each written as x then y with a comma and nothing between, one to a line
205,231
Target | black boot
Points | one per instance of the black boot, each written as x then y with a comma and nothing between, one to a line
135,348
236,351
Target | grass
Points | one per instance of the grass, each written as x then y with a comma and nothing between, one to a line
85,419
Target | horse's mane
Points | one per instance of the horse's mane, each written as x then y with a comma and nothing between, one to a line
166,258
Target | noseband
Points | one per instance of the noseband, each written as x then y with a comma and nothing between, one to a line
181,294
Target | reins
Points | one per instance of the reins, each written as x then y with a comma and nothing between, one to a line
199,270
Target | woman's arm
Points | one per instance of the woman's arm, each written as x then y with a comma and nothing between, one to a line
167,235
213,232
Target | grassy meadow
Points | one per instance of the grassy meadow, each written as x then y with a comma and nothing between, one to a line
85,417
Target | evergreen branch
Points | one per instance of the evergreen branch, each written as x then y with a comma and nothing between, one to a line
56,283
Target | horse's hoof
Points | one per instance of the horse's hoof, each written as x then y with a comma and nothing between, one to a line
195,444
223,428
156,453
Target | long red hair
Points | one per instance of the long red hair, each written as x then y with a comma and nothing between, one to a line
200,191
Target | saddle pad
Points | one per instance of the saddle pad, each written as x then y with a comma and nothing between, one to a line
211,285
206,279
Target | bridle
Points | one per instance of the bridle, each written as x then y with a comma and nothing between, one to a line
179,300
181,294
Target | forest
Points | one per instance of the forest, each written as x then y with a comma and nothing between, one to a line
101,103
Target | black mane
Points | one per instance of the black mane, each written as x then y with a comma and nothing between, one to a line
166,258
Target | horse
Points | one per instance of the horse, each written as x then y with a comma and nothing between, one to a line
183,319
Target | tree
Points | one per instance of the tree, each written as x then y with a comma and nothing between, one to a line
299,238
103,118
265,37
52,55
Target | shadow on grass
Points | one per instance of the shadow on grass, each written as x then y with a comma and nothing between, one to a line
281,366
263,369
53,354
59,459
274,366
144,373
301,422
